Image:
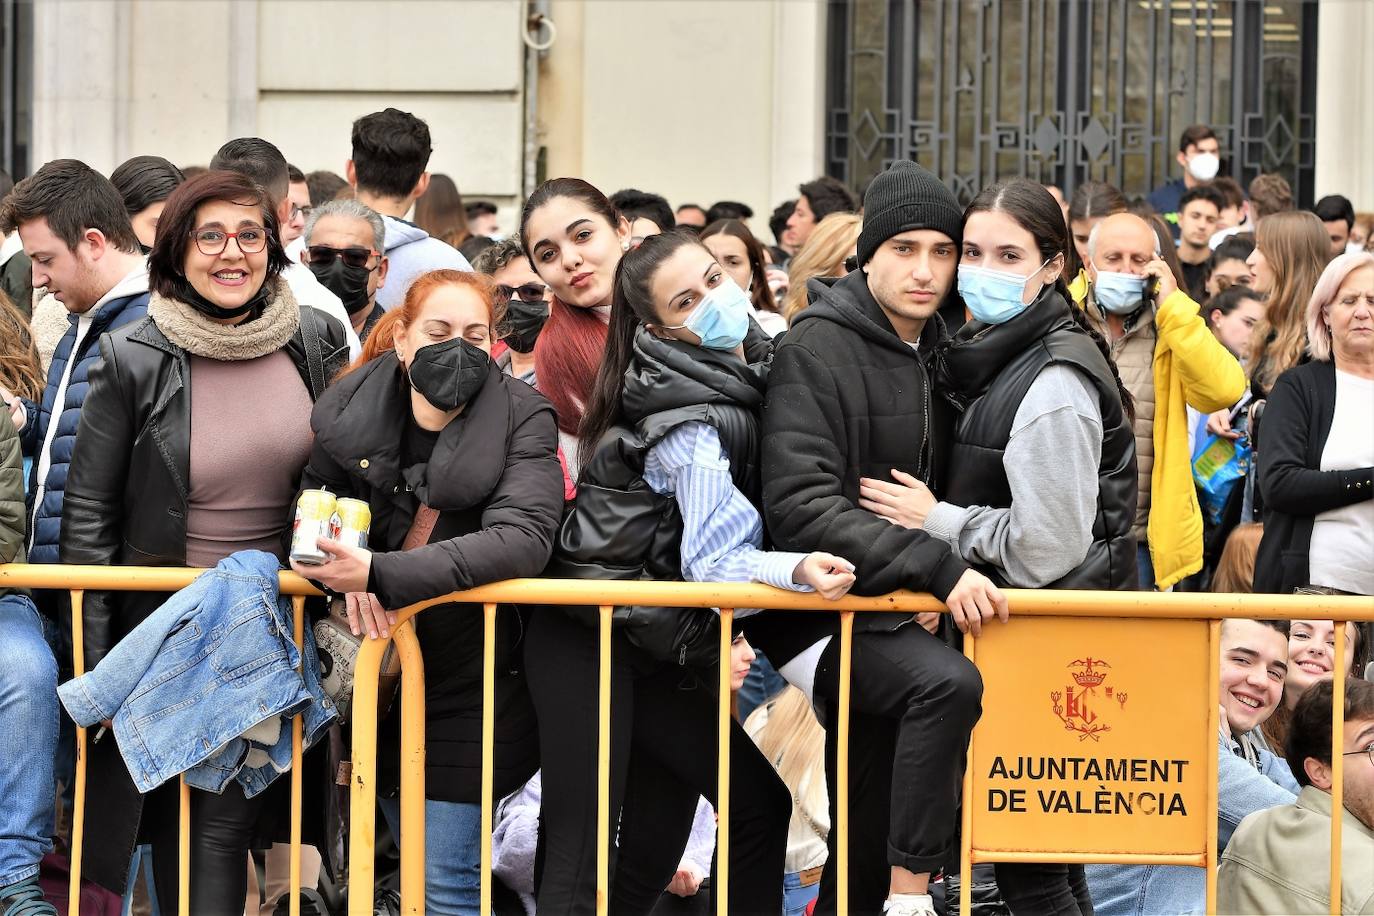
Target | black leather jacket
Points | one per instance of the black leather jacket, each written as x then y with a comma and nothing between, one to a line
126,497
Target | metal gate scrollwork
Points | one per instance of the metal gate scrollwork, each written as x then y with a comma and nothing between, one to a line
1066,91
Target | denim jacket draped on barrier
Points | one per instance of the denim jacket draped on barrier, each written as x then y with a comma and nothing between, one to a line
216,661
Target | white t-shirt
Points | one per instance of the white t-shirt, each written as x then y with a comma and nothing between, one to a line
1341,554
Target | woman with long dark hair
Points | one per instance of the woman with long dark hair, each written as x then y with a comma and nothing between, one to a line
1041,490
145,183
742,255
672,425
574,239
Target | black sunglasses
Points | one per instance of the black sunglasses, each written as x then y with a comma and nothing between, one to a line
353,257
526,292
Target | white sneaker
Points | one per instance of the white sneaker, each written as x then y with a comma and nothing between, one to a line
909,905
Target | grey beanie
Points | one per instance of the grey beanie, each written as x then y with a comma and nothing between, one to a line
906,197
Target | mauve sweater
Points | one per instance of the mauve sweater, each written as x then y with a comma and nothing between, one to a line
250,439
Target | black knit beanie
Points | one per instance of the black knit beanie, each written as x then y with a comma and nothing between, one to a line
905,197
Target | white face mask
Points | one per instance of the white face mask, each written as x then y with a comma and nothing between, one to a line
1204,166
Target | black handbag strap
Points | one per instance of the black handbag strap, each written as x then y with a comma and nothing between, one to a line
314,358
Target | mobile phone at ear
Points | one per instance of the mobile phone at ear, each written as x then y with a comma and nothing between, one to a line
1151,290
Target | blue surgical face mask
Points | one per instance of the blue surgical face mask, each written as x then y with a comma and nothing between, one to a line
721,319
994,296
1118,293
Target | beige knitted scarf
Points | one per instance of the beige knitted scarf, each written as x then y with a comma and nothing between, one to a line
197,334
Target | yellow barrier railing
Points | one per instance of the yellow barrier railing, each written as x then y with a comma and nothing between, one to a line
77,580
605,595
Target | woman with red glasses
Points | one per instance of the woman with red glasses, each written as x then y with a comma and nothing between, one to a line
191,447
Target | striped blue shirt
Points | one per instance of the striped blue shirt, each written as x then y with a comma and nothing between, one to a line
722,533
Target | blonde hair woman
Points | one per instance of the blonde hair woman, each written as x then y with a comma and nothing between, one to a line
1291,251
823,255
788,734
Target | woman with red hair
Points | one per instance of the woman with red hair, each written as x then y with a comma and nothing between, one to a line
458,463
574,239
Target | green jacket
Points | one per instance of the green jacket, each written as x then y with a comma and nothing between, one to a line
1279,860
11,495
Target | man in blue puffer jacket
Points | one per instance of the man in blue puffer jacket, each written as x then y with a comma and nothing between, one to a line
76,231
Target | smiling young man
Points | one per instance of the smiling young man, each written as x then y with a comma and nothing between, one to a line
1250,778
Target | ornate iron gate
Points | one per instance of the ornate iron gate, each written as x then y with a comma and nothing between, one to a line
1064,91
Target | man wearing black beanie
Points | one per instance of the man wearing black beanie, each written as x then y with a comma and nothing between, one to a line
850,397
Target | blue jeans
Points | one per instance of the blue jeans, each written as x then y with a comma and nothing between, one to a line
453,854
142,864
1146,566
28,739
795,898
761,684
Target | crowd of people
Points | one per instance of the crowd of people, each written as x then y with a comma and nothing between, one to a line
895,391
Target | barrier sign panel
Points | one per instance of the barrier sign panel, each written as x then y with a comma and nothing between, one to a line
1093,738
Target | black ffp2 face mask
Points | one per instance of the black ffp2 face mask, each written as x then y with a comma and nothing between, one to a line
449,374
524,321
348,283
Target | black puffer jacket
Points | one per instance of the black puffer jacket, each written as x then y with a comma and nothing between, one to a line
848,398
494,477
619,528
988,369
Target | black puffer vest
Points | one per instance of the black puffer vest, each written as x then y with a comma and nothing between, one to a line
988,369
618,527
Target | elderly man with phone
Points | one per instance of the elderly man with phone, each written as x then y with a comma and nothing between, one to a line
1169,361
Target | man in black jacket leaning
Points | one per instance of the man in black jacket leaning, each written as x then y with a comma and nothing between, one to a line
850,396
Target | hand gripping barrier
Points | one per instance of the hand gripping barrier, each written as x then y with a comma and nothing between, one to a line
1128,608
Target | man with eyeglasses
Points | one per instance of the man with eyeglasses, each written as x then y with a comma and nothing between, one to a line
1279,860
298,193
264,163
344,241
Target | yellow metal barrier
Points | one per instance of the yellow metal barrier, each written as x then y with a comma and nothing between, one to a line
606,595
77,580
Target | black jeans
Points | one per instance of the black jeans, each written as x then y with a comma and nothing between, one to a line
663,756
913,704
1033,889
222,829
